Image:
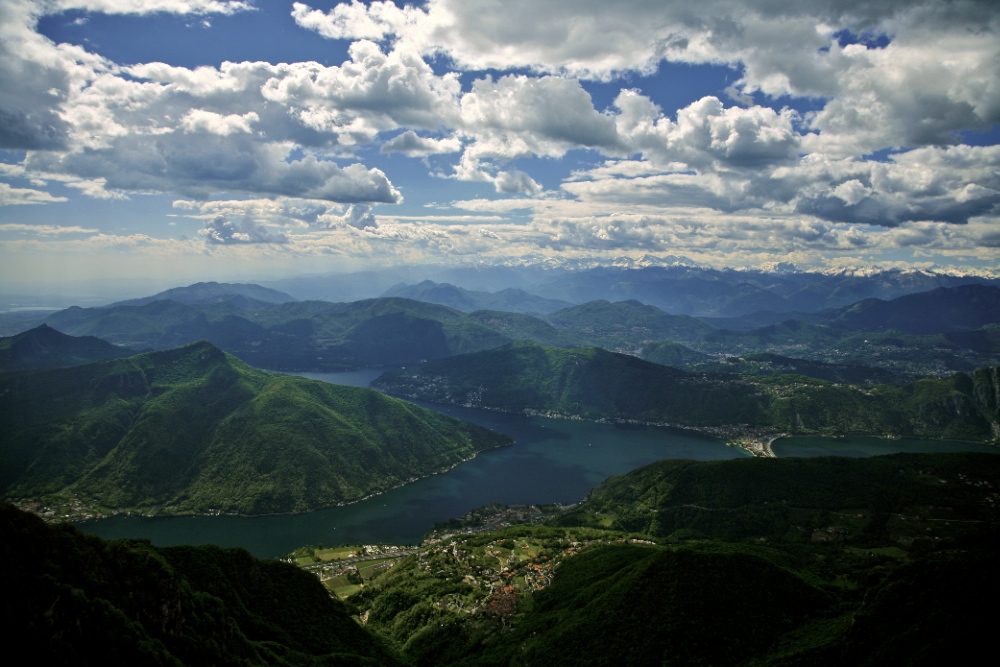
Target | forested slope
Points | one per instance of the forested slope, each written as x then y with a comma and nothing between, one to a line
194,430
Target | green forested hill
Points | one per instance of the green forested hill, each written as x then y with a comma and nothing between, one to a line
764,363
586,382
194,429
781,499
625,325
71,599
755,562
595,384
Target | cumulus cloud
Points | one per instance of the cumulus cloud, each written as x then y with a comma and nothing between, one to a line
515,181
518,116
275,212
197,132
36,76
200,165
411,144
370,93
359,216
253,141
934,77
199,120
355,20
707,134
950,185
223,231
600,40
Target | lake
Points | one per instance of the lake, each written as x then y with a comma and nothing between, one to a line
552,461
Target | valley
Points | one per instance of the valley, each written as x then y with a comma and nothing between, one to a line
505,466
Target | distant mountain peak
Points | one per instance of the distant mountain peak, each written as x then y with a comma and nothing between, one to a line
213,292
459,298
45,347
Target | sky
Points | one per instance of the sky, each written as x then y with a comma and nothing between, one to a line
187,140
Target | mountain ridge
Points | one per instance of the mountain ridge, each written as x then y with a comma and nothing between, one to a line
196,430
212,292
592,383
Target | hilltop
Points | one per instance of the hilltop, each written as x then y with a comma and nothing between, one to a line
213,292
44,347
446,294
196,430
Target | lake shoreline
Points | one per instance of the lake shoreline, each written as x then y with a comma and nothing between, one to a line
83,514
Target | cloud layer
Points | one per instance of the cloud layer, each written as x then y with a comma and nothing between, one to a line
843,128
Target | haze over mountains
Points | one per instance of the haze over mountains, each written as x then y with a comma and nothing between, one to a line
678,288
268,329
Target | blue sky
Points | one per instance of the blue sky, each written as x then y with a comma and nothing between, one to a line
185,140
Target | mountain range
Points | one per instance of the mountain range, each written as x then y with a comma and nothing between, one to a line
679,287
752,562
316,335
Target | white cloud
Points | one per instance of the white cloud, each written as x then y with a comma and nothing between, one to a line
222,231
355,20
707,134
13,196
199,120
45,230
518,116
36,76
411,144
254,141
515,181
371,93
201,165
278,211
936,76
359,216
153,6
851,192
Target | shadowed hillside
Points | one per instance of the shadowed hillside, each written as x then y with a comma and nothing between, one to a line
194,429
72,599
